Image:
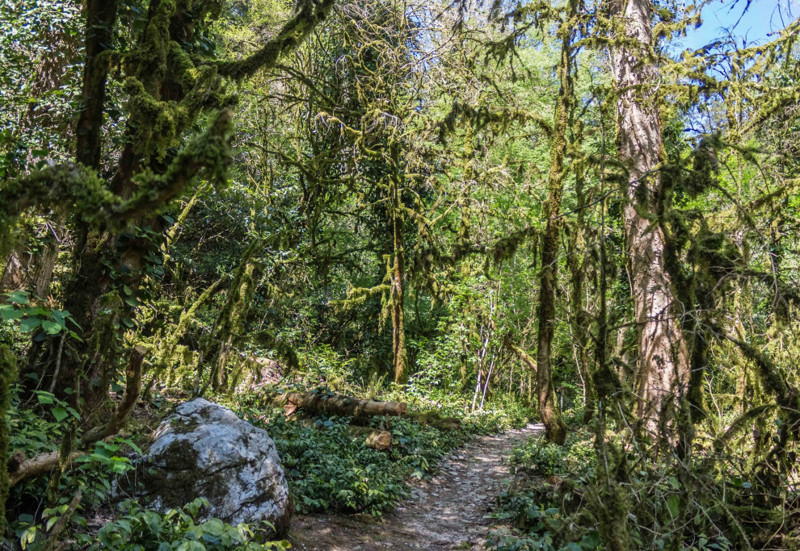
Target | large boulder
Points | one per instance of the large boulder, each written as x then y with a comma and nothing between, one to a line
205,450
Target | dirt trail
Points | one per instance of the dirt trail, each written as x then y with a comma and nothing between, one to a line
443,513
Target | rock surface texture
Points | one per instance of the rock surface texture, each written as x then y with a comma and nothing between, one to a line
205,450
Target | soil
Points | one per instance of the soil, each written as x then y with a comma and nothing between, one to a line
443,513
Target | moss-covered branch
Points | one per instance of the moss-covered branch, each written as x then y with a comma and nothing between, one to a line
79,189
294,31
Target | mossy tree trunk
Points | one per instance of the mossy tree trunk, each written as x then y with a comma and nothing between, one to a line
555,428
8,376
663,361
397,296
88,281
580,321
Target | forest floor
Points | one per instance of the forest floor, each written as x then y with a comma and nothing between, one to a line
443,513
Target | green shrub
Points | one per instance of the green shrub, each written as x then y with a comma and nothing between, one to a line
575,458
419,448
140,529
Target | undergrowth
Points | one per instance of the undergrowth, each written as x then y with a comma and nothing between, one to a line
563,496
329,466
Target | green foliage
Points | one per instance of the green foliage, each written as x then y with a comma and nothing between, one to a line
139,529
540,524
92,479
24,317
574,459
555,503
329,468
39,85
33,430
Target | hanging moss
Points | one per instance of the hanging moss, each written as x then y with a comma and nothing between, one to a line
170,350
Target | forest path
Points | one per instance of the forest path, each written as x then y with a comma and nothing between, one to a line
443,513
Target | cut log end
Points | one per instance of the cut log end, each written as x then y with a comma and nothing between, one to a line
379,440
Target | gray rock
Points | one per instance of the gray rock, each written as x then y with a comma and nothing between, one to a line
204,450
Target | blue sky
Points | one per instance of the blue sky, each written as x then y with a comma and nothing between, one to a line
763,17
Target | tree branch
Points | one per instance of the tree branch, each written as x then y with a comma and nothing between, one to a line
309,14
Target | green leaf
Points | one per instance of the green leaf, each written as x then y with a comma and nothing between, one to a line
591,540
8,312
29,324
673,505
18,297
673,482
191,546
59,413
51,327
59,317
44,397
28,536
50,522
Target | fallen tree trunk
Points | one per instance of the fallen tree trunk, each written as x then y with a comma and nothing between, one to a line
336,404
361,410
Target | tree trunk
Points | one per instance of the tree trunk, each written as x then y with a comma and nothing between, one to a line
32,271
555,429
580,317
89,282
397,299
663,363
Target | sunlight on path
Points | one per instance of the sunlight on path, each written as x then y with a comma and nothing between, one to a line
443,513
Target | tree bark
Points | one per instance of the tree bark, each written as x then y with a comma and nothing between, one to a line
100,18
555,428
88,283
397,297
580,317
663,363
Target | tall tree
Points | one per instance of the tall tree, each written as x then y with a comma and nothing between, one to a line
662,373
555,427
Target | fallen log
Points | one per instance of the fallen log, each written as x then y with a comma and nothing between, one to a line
337,404
328,403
